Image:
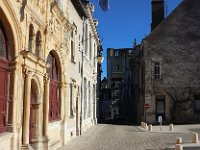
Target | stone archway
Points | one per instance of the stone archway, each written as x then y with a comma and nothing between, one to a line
11,30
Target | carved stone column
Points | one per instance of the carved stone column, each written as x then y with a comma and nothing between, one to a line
65,109
26,113
46,105
14,95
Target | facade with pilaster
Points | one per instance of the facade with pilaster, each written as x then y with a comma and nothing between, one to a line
47,65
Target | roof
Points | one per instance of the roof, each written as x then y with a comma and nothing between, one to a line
78,4
181,26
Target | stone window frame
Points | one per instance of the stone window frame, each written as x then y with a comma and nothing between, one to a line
73,34
153,63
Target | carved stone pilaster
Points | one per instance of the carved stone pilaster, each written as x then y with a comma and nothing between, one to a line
46,105
26,106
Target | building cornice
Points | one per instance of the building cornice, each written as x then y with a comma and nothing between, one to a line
78,4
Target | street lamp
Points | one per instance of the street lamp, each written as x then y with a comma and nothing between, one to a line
100,58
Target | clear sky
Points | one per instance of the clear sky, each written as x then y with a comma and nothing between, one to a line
124,21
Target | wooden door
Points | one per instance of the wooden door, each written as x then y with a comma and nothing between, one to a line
54,103
3,93
54,112
3,80
31,125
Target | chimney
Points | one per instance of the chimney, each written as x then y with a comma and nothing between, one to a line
157,13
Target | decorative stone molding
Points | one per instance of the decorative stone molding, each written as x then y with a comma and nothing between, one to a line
31,57
26,70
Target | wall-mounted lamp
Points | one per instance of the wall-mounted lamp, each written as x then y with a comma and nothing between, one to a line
100,58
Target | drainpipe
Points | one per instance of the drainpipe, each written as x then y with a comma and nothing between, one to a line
82,77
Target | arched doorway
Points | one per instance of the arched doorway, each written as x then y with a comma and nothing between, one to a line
3,78
54,89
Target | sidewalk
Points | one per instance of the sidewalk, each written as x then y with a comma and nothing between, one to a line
186,137
128,137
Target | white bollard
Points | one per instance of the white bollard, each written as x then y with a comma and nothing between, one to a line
150,128
142,124
195,138
178,147
179,140
171,127
145,126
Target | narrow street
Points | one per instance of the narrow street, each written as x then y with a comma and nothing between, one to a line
123,137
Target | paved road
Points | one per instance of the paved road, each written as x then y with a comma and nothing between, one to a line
123,137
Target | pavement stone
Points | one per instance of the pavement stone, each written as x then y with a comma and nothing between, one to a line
128,137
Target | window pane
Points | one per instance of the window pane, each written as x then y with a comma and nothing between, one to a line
156,70
2,45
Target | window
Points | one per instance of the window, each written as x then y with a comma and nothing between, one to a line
117,66
94,101
94,61
72,47
129,52
85,97
2,45
116,53
197,103
31,38
86,39
90,39
157,74
54,91
71,100
38,44
89,99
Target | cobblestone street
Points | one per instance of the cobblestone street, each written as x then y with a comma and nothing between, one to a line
123,137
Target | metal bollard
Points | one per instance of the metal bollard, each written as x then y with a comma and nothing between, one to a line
179,140
171,127
195,138
178,147
150,128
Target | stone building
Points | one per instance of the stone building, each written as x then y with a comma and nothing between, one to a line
136,84
106,109
48,52
118,77
170,62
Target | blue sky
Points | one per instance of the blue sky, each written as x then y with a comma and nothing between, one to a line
124,21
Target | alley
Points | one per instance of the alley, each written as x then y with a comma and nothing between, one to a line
123,137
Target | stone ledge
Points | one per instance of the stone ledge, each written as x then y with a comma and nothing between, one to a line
6,136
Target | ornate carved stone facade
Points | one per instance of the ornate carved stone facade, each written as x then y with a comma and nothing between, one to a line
37,41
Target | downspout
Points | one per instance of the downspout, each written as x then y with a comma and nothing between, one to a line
82,77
